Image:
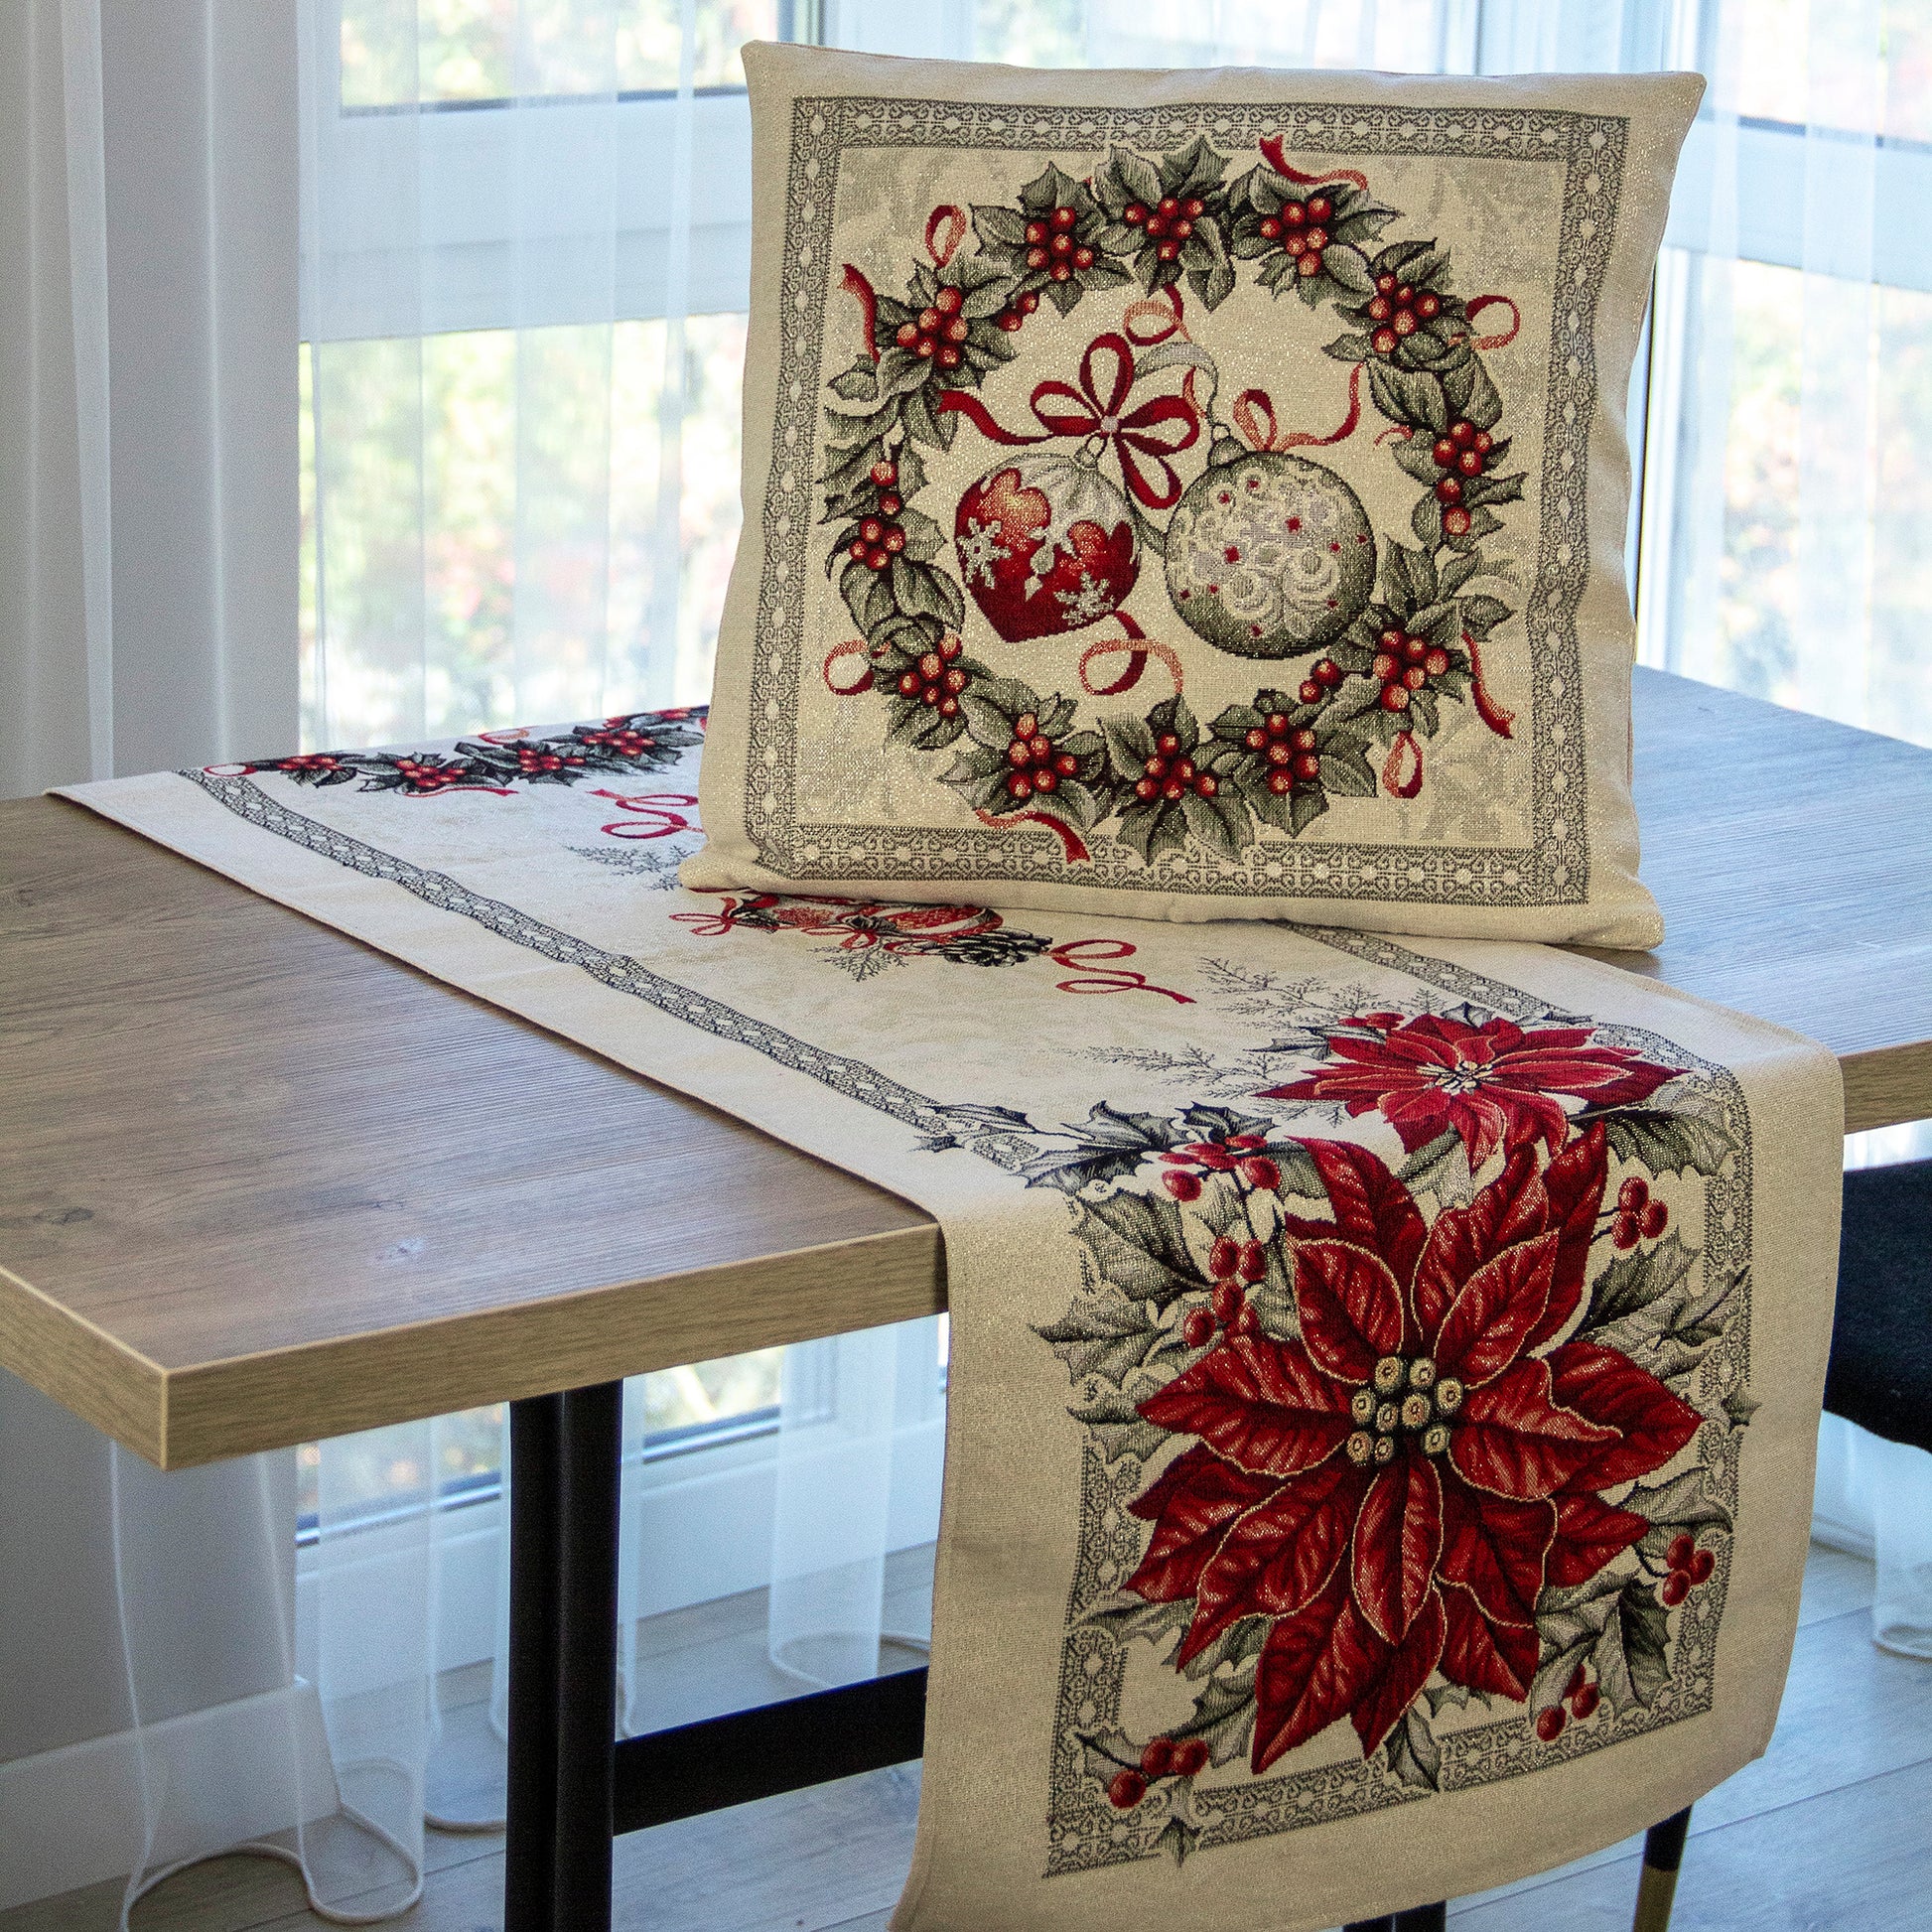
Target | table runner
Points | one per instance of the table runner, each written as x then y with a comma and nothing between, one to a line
1384,1376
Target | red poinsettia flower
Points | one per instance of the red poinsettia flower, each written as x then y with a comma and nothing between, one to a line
1395,1487
1496,1084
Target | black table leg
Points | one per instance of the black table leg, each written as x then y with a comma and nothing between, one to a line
1368,1925
1423,1919
565,1452
587,1651
537,1525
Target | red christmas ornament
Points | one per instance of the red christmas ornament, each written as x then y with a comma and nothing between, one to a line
1045,545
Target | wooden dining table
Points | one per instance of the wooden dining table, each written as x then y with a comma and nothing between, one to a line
262,1183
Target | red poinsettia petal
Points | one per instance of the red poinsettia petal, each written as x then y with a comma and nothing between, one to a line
1407,1048
1589,1534
1191,1503
1486,1118
1372,1208
1262,1403
1495,1309
1511,1208
1574,1183
1612,1392
1405,1670
1514,1440
1398,1538
1417,1114
1352,1312
1555,1060
1492,1659
1443,1040
1495,1549
1278,1557
1313,1668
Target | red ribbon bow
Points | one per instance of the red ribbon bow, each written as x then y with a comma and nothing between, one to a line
1090,415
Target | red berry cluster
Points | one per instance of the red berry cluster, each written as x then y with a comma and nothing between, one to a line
1299,229
309,762
1463,452
1236,1267
1324,675
935,679
1288,752
623,741
1689,1567
1240,1154
1163,1757
1014,315
1637,1216
1171,775
879,538
1167,224
938,333
429,777
1039,764
534,760
1404,664
1397,311
1583,1698
1053,244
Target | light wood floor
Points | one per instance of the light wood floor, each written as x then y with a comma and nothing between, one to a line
1831,1829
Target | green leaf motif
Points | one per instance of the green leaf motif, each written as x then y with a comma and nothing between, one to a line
1630,1656
1107,1144
1415,1758
1667,1142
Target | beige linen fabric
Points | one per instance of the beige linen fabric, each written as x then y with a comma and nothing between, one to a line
1213,1201
1191,585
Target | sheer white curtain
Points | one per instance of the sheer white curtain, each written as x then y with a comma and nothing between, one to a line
147,321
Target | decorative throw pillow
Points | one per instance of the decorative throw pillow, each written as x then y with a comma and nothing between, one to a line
1190,495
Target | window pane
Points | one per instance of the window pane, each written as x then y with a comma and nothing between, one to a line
412,455
469,49
1730,592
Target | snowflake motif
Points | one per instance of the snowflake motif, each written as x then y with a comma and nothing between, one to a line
980,549
1092,599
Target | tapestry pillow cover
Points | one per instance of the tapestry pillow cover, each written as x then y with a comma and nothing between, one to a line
1190,495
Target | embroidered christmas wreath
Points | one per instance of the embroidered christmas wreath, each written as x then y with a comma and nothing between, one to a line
1267,554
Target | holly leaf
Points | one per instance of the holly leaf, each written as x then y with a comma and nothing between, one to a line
1348,348
1630,1656
1440,1167
1414,1755
1115,1420
1213,280
1138,1244
1681,1506
1224,1712
1740,1407
1133,1620
1408,396
1666,1143
1481,615
1107,1338
1632,1282
1106,1145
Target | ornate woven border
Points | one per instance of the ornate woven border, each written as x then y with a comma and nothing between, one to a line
1554,869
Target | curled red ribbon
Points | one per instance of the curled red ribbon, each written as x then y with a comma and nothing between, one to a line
1161,311
1271,147
1076,852
1508,336
948,222
832,657
1488,709
1402,768
1250,404
856,284
1139,647
1086,953
1091,415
